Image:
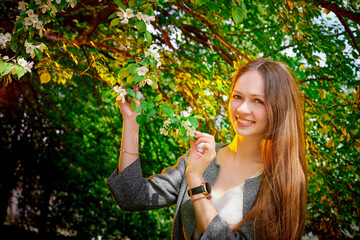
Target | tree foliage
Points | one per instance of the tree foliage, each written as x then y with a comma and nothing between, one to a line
61,128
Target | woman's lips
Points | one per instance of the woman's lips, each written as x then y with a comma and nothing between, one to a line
244,122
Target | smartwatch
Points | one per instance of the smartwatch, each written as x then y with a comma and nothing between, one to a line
204,188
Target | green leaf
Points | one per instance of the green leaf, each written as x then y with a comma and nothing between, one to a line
141,119
138,109
14,46
237,15
20,71
141,26
124,72
152,112
130,79
144,7
113,15
140,39
120,4
201,2
132,3
131,92
114,22
213,6
132,68
144,62
133,105
194,122
158,97
5,68
138,78
167,110
144,105
174,120
148,37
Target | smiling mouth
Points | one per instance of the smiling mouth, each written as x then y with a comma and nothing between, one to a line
243,121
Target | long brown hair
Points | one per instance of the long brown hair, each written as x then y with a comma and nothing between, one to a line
279,211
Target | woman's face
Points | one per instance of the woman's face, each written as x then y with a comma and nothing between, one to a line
247,105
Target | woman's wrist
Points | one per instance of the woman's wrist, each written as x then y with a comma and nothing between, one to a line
130,121
194,181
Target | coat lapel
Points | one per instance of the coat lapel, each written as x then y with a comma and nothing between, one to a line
187,210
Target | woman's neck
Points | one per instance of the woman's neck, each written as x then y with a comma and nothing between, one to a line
246,149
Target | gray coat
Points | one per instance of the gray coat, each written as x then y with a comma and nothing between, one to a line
133,192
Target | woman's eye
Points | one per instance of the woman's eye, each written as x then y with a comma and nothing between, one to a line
259,101
236,96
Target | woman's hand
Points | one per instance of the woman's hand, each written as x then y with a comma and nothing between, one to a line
125,107
199,161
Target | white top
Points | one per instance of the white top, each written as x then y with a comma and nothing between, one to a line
229,206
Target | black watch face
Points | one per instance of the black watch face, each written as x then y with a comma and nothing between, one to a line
208,187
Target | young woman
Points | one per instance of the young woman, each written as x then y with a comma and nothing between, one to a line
252,188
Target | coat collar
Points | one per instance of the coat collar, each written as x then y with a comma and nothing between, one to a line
187,211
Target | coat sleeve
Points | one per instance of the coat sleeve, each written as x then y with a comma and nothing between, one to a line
218,229
133,192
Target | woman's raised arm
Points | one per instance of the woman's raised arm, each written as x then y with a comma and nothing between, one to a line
130,135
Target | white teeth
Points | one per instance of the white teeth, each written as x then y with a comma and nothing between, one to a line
245,121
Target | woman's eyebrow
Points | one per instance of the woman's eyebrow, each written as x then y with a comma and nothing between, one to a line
254,95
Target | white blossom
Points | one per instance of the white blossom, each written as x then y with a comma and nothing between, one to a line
142,71
122,93
27,21
140,16
2,43
156,53
26,65
58,1
34,18
158,64
30,12
185,114
30,50
38,25
71,2
41,47
126,21
21,6
148,19
129,13
146,81
167,123
29,66
44,8
186,124
121,14
22,62
190,132
6,37
163,131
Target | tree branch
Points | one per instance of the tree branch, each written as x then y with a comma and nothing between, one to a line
349,32
99,18
340,11
199,36
237,53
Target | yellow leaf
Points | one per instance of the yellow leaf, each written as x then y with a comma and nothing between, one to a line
302,67
291,5
322,93
45,77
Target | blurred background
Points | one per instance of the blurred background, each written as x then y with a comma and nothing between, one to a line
60,129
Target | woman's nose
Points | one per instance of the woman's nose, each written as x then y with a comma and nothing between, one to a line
244,108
